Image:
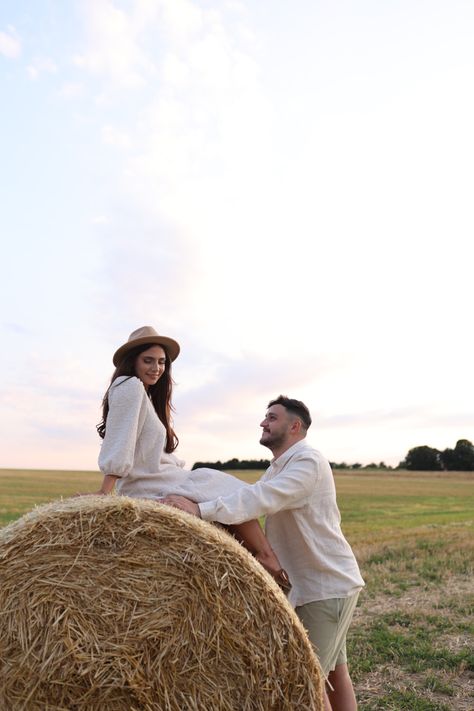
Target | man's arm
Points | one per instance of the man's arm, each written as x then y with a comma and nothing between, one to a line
288,489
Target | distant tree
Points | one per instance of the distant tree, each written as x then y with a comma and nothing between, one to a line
208,465
356,466
422,459
234,463
460,459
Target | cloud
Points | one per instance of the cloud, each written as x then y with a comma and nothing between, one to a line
231,395
53,404
113,49
101,220
182,19
410,416
144,276
17,329
116,137
10,43
198,174
72,90
40,65
175,190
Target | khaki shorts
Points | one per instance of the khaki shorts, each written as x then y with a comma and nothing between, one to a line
327,623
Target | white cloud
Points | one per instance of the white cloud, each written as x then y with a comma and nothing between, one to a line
10,43
113,48
101,220
176,72
220,401
202,149
116,137
17,329
40,65
182,20
276,211
51,415
72,90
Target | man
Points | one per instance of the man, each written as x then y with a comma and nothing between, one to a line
298,497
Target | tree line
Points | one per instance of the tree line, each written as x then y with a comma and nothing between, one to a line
423,458
234,464
460,459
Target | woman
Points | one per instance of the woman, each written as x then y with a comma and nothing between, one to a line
137,454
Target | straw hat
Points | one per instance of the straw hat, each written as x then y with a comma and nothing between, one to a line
147,334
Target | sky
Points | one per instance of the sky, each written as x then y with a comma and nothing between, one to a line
284,188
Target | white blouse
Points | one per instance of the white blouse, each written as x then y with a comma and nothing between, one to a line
133,450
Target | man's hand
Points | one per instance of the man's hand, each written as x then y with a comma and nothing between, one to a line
180,502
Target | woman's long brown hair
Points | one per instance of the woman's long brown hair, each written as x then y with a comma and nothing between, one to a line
160,394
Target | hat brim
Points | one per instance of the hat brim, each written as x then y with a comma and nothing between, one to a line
171,347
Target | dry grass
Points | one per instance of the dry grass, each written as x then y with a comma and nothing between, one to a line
410,647
412,639
112,603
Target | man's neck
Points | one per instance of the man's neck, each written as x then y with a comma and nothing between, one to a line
278,451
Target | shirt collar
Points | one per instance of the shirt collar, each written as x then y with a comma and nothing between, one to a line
285,456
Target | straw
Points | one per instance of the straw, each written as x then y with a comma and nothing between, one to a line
111,603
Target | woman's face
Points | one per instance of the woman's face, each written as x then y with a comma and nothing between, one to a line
150,365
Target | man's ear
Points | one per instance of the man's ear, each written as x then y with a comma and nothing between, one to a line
295,426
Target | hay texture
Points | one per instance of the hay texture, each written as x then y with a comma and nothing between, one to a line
110,603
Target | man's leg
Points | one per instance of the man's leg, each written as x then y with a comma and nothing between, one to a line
327,622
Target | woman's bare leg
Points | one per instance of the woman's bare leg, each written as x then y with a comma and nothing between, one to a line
251,535
341,697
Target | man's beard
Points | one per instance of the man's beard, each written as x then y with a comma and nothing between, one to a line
272,441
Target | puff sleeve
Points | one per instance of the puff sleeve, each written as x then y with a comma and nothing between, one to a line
127,408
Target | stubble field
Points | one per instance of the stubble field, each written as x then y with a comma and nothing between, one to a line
411,645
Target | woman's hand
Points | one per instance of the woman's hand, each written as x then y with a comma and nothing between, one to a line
180,502
107,487
90,493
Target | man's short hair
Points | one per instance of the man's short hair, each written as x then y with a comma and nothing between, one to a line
296,407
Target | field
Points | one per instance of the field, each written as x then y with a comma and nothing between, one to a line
411,645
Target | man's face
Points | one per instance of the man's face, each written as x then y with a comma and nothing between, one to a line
275,427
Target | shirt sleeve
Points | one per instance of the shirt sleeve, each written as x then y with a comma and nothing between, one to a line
289,489
118,448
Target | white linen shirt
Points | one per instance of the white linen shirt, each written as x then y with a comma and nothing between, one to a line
298,497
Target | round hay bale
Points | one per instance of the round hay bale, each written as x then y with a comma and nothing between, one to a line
110,603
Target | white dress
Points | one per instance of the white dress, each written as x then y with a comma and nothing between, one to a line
133,450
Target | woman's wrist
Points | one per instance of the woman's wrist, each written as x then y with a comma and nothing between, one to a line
108,484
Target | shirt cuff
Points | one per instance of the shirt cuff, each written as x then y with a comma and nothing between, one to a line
208,510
